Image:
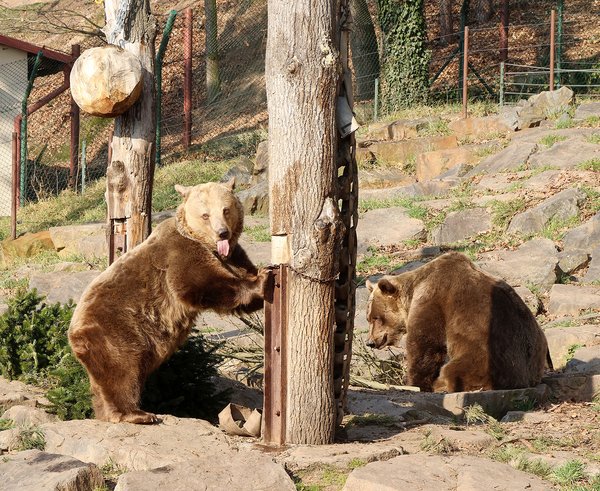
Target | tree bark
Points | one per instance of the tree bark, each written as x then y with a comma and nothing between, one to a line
131,169
213,79
484,10
302,75
446,21
365,53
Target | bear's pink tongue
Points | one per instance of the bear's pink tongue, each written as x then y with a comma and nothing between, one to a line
223,247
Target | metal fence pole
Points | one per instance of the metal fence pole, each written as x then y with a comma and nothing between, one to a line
552,47
23,171
376,101
559,36
187,78
83,165
501,84
15,187
465,84
75,120
504,20
158,77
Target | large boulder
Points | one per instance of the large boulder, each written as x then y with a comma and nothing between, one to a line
88,241
588,110
566,154
572,299
375,228
62,286
479,127
27,245
260,171
255,199
400,151
511,158
460,225
529,113
585,238
432,164
106,81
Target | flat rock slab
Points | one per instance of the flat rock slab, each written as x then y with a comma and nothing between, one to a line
216,471
593,272
400,151
387,226
572,299
585,359
584,238
478,127
135,447
383,178
588,110
28,416
426,473
15,393
534,263
62,286
87,240
33,470
543,181
432,164
560,340
573,387
460,225
567,154
511,158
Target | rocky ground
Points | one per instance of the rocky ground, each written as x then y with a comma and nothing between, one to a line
519,193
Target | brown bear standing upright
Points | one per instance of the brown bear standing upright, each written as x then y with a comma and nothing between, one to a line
465,329
134,315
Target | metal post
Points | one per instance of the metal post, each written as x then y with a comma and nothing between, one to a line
187,79
464,11
109,150
274,426
501,84
15,188
559,36
23,169
465,88
158,77
552,47
504,21
376,101
83,165
75,120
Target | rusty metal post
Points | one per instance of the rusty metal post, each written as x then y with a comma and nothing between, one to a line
17,178
274,414
552,47
504,20
15,186
187,80
465,74
75,119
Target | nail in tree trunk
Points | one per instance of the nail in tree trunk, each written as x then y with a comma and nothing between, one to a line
130,25
302,75
213,80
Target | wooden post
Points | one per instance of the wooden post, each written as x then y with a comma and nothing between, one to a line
465,87
552,47
187,78
75,119
504,21
15,186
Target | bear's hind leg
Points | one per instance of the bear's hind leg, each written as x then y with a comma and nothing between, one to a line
460,375
424,361
120,402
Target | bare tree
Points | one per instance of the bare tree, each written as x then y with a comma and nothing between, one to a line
130,173
484,9
213,79
302,76
446,21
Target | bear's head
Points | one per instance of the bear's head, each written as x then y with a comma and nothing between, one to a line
211,212
387,312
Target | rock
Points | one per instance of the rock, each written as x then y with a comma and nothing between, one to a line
496,403
62,286
403,150
585,360
495,182
25,246
240,172
527,417
512,157
531,300
593,272
256,198
463,438
478,127
87,240
538,107
460,225
588,110
542,181
378,178
533,263
573,387
432,164
405,129
377,131
261,162
456,472
584,238
136,447
106,81
33,470
28,416
571,261
15,393
387,226
566,154
559,208
233,471
572,299
560,340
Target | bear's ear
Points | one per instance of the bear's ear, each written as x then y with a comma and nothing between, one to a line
183,190
230,184
370,286
386,286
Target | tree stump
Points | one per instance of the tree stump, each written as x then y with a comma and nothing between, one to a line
106,81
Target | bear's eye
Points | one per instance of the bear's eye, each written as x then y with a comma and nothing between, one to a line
205,216
225,211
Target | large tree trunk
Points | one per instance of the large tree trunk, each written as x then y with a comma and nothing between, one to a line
365,53
446,21
484,10
302,75
213,79
131,170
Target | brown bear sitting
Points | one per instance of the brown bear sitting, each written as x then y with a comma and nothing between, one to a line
465,329
134,315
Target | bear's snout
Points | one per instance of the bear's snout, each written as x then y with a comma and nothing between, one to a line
223,233
370,343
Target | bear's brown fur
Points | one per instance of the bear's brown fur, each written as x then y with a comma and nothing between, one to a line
135,314
465,329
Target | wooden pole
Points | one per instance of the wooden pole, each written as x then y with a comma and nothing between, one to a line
465,87
552,47
504,21
187,78
75,120
14,203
